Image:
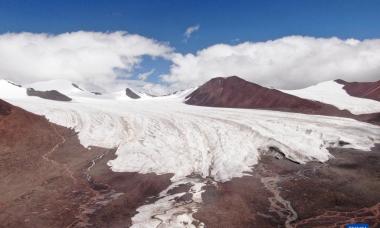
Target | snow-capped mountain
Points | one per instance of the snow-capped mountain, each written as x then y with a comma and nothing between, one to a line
234,92
332,92
173,141
63,86
370,90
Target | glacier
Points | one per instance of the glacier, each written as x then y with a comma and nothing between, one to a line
164,135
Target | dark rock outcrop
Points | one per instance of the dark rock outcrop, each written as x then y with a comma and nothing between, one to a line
131,94
96,93
234,92
76,86
5,108
369,90
50,95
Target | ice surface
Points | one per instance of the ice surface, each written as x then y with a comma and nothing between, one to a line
164,135
11,91
331,92
167,212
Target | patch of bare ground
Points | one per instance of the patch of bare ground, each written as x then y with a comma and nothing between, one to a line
281,193
46,178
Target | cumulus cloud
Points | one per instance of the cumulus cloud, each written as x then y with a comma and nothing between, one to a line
287,63
81,56
190,30
108,59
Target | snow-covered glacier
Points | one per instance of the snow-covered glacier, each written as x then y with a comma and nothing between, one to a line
164,135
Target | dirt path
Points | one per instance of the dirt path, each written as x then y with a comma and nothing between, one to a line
64,167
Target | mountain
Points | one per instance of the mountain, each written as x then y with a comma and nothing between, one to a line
113,161
234,92
49,179
49,94
64,87
333,93
130,93
11,90
370,90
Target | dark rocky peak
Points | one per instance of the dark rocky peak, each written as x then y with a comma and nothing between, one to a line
50,95
130,93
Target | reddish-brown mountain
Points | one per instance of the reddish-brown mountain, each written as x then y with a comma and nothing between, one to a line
234,92
370,90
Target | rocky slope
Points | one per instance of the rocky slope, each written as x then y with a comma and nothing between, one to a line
5,108
131,94
48,179
234,92
370,90
50,94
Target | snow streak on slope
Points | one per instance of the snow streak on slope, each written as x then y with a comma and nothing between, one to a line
9,90
331,92
170,210
163,135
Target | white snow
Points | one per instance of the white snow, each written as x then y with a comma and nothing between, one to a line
331,92
63,86
167,212
11,91
164,135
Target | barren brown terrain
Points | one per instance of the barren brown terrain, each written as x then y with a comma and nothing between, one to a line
281,193
48,179
234,92
370,90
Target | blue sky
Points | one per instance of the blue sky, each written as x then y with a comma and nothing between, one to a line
227,22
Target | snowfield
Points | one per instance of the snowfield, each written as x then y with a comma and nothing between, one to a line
164,135
331,92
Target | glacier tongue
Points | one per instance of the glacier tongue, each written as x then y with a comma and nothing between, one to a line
163,135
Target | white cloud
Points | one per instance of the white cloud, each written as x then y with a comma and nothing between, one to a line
92,57
141,86
102,59
144,76
289,62
190,30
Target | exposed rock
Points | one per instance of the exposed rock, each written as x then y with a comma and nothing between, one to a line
131,94
76,86
5,108
234,92
344,190
50,95
370,90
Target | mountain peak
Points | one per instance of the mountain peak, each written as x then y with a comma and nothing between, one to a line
130,93
235,92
